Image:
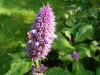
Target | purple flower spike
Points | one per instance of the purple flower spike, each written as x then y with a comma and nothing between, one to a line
42,33
75,55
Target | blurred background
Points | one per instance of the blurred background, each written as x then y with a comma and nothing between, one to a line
78,28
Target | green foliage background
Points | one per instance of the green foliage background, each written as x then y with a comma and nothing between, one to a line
78,28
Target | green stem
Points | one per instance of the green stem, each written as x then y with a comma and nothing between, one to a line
44,2
37,63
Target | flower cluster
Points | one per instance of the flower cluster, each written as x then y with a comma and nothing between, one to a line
42,34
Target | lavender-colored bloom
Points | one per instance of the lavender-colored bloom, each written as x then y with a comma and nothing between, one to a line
40,69
75,55
42,34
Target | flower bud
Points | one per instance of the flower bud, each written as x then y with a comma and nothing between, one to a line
75,55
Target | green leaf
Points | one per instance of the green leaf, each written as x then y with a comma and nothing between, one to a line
68,34
57,71
70,21
78,69
90,73
61,44
19,66
83,50
85,32
5,61
65,58
97,71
